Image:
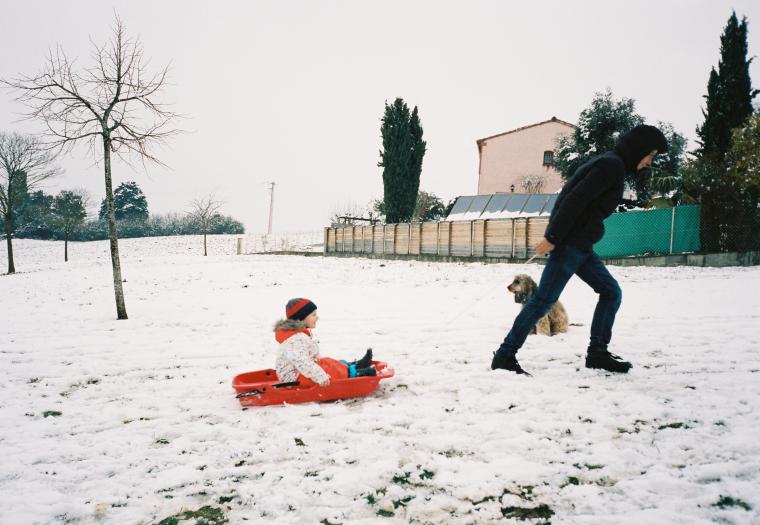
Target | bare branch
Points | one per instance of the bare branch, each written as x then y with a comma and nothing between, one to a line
24,165
204,209
113,102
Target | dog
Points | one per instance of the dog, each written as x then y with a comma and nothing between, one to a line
554,322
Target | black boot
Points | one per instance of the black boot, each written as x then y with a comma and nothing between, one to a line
368,371
365,361
507,363
599,357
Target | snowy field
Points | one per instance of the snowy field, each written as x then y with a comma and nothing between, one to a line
135,422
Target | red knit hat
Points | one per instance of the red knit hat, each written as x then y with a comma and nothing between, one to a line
299,309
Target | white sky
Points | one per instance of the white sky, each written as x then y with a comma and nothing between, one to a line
293,91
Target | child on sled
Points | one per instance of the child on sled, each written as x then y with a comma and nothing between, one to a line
298,355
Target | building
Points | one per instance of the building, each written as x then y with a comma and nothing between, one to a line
521,160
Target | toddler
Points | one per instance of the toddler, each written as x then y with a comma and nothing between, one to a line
298,355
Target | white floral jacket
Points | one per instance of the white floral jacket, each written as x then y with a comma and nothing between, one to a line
298,353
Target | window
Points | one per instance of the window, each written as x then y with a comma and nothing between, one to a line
548,158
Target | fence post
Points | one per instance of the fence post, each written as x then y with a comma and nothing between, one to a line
527,236
485,236
409,240
420,240
448,249
472,238
438,238
514,238
672,227
327,239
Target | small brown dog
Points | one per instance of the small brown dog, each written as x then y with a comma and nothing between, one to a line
554,322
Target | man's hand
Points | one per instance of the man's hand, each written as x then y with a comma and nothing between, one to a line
543,247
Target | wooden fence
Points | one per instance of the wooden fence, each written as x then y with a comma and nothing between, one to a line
502,238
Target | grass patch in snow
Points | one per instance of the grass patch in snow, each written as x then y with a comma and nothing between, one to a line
226,499
727,502
51,413
203,516
406,479
677,424
402,479
543,511
587,466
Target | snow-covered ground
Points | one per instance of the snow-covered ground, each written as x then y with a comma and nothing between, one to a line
126,422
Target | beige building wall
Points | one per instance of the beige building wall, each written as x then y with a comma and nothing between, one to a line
509,158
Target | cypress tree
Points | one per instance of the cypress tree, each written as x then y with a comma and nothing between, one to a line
419,147
729,91
728,106
401,160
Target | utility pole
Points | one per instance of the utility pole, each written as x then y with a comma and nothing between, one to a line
271,208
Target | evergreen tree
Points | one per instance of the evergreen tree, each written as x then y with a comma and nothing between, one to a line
728,106
743,177
130,204
21,191
415,161
743,161
401,160
729,91
599,127
666,173
35,219
68,215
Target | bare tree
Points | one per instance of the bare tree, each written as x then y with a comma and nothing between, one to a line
24,165
353,214
533,183
204,210
110,105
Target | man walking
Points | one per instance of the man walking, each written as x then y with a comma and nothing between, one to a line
575,225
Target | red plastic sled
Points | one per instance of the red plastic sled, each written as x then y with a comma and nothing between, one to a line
262,387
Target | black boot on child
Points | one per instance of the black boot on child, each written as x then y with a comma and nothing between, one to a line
365,361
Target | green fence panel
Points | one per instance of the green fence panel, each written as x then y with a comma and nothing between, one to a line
687,236
649,232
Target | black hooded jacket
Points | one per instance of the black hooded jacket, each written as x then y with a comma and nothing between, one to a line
596,189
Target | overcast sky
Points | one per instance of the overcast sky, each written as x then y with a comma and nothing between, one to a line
293,91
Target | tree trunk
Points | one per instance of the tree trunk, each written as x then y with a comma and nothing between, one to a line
9,241
66,246
205,252
121,309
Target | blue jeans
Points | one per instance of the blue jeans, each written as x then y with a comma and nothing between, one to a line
564,262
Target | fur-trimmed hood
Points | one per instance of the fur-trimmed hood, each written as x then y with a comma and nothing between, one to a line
287,328
289,324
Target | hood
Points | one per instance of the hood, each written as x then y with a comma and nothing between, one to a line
638,143
286,328
289,324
